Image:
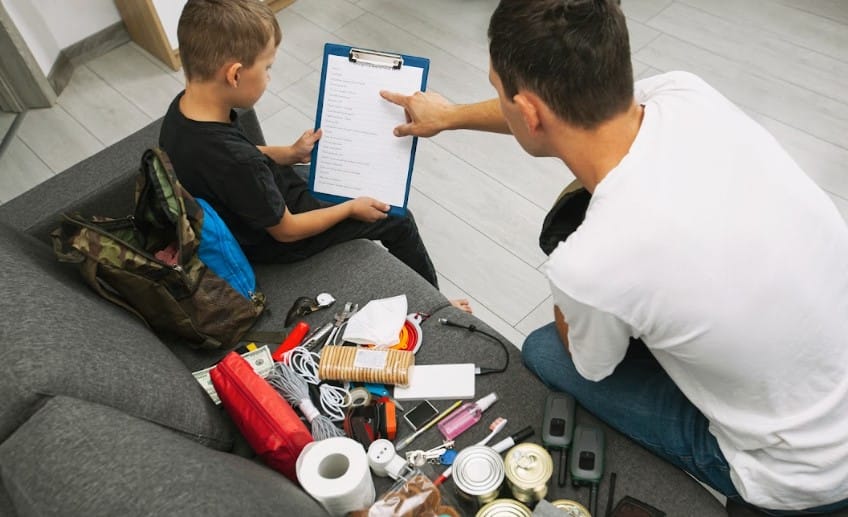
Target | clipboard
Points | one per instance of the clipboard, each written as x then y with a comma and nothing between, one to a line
358,155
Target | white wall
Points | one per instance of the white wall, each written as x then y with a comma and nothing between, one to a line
48,26
169,16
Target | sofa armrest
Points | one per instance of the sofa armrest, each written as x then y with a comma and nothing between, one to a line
75,458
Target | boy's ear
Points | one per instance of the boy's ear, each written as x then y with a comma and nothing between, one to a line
530,109
232,73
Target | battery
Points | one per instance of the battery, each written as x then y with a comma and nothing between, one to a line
478,472
528,467
571,508
504,508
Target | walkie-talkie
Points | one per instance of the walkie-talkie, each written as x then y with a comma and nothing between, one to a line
558,428
587,461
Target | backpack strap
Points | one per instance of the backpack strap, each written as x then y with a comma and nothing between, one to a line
264,336
565,216
89,272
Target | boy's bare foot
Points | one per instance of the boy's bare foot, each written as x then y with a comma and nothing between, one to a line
462,304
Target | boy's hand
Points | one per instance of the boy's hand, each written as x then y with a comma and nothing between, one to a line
368,209
427,114
302,149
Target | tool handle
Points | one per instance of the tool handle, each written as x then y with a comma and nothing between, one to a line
292,340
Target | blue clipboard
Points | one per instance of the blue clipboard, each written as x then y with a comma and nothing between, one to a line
376,60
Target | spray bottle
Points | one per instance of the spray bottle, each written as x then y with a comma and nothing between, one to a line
466,416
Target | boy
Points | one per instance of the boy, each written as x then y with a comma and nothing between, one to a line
227,48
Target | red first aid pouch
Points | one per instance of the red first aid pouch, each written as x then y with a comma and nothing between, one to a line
266,420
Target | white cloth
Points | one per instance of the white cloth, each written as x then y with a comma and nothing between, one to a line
710,244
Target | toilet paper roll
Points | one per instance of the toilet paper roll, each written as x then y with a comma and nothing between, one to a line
335,472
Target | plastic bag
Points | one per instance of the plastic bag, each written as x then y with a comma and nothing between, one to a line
413,496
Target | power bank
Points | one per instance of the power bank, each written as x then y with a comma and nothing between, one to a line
438,382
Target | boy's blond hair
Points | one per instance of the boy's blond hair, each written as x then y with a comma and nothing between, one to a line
213,32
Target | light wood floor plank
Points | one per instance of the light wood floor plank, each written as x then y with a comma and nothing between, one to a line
504,284
756,49
794,25
539,180
448,74
809,111
541,315
453,292
106,113
492,209
57,138
327,14
20,170
457,28
132,74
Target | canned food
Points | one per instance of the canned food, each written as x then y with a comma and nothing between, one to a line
571,508
504,508
528,467
478,472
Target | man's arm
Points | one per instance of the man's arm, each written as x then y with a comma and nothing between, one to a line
294,227
562,327
429,113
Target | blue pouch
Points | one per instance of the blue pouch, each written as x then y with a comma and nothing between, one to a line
221,253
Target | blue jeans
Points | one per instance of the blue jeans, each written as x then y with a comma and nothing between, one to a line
642,402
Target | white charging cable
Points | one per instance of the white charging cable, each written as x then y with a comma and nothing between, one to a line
334,399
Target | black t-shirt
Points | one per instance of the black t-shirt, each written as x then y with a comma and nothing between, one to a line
216,162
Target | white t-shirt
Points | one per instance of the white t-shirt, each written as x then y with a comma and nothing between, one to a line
709,243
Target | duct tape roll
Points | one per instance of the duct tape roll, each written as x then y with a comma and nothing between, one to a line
360,397
335,472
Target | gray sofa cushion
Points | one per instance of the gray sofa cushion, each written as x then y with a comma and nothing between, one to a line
75,458
58,338
355,271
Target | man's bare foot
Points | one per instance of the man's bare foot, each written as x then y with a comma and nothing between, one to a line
462,304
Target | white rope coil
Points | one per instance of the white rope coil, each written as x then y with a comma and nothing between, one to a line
334,399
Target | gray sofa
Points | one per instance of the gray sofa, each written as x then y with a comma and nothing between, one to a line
98,416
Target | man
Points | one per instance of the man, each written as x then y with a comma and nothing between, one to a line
701,307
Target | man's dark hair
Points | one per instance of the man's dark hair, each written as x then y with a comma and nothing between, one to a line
574,54
211,32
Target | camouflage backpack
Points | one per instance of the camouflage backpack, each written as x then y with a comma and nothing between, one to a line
152,263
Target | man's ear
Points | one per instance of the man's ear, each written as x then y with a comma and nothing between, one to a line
232,73
528,106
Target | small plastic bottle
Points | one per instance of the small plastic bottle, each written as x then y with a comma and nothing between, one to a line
467,415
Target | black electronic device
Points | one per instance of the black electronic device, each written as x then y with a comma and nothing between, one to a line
587,461
420,415
558,428
631,507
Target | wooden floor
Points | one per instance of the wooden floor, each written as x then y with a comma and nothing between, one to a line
478,199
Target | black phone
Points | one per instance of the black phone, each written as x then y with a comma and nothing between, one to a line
420,415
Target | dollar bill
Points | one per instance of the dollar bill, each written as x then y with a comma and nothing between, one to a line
260,359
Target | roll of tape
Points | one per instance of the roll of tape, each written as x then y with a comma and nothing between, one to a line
360,397
335,472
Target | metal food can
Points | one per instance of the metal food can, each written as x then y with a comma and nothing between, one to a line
504,508
478,472
571,508
528,468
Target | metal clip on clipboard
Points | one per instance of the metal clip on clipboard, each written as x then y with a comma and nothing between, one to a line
372,57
